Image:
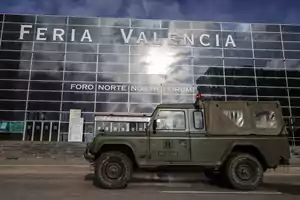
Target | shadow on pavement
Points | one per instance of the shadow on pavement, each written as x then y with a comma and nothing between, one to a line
283,188
89,177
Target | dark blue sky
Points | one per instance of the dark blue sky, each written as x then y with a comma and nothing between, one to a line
270,11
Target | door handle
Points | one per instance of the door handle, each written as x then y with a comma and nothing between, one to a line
183,143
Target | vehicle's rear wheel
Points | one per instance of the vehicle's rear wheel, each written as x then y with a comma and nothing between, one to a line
113,170
244,172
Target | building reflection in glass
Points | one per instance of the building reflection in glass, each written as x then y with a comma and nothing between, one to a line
107,65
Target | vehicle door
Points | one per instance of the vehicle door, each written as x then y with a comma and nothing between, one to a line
169,138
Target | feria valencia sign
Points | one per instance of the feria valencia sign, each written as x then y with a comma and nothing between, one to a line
58,34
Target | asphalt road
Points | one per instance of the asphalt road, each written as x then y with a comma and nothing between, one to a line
80,187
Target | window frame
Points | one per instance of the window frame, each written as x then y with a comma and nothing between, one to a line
173,110
202,123
255,113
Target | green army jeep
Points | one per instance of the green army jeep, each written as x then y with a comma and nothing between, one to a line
232,141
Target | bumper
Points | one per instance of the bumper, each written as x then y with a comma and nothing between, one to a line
87,155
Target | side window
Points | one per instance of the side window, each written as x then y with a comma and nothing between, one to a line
170,120
265,119
236,116
198,120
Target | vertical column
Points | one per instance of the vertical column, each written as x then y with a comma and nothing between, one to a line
254,66
2,28
32,131
50,132
195,89
96,82
29,78
193,69
161,92
286,78
63,82
224,77
160,86
287,83
42,131
129,72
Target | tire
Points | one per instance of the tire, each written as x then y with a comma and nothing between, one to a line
113,170
243,172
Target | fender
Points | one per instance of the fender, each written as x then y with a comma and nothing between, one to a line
112,142
233,145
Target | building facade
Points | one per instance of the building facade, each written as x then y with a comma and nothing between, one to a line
52,64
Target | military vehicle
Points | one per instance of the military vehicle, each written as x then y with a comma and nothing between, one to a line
231,141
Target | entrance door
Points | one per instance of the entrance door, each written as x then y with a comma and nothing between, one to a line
37,127
29,131
41,131
54,131
46,131
170,140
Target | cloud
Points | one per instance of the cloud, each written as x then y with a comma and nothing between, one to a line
273,11
90,7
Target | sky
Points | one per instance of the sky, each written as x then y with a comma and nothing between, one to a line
260,11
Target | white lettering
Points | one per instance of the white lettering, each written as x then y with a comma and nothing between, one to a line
39,33
135,88
91,87
23,31
201,40
178,89
58,32
100,87
217,40
86,35
112,88
83,87
126,38
186,38
230,41
173,38
189,90
72,86
73,35
142,37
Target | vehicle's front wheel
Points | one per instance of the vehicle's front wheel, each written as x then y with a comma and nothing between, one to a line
244,171
113,170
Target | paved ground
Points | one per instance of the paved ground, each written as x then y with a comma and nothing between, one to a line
36,179
76,182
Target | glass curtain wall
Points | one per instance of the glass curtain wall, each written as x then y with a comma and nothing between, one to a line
51,64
